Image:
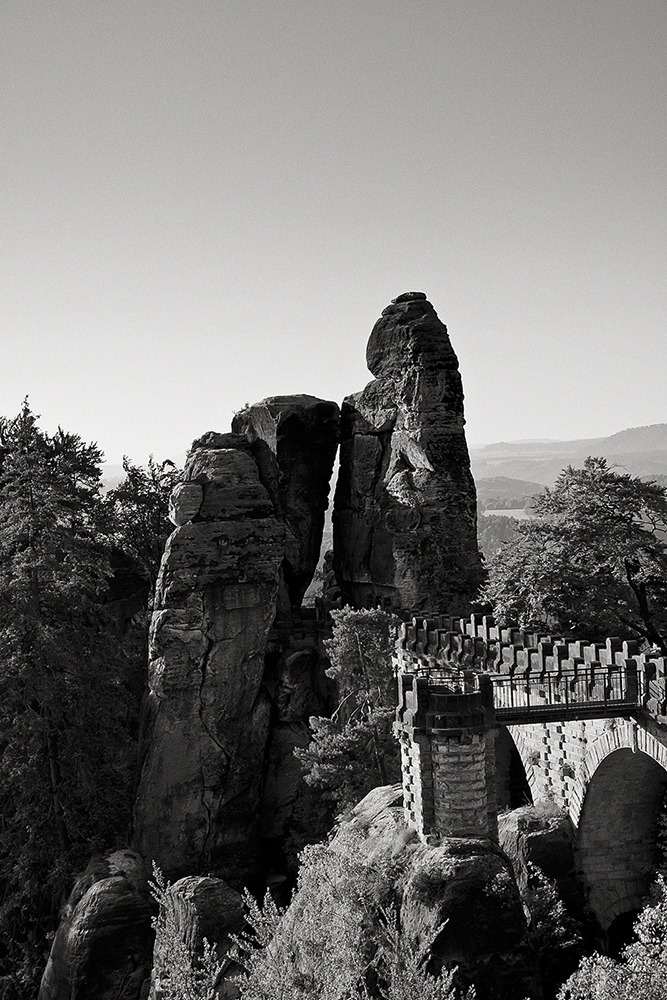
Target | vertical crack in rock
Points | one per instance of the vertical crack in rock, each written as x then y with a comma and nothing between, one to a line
295,440
405,513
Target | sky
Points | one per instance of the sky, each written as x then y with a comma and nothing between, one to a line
207,202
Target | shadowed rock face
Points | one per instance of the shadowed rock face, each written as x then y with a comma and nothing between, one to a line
405,529
104,945
207,719
295,439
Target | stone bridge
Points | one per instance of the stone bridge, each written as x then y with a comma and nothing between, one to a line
491,718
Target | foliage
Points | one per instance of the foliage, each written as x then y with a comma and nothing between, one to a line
341,762
553,937
138,512
360,651
642,972
339,939
492,531
592,561
181,975
66,757
404,970
355,751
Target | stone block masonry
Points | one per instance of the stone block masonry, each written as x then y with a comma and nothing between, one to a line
447,761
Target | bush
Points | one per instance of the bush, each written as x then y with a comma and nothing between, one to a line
642,971
338,940
181,975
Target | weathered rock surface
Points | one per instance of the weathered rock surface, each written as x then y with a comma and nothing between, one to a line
202,908
104,944
462,902
295,439
207,719
533,837
529,837
405,505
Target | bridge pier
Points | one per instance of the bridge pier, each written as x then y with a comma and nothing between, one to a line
448,758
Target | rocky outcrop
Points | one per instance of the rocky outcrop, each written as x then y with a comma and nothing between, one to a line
295,439
104,944
195,910
544,837
405,505
207,719
455,904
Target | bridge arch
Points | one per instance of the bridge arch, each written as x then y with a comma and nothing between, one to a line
615,806
516,782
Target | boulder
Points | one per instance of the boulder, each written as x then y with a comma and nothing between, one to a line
461,901
103,947
295,439
207,716
405,530
543,835
198,909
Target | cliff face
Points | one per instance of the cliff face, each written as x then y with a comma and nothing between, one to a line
207,719
405,506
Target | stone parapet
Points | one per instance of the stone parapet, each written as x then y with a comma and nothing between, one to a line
434,645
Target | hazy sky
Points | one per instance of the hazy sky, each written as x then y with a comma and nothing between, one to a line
205,202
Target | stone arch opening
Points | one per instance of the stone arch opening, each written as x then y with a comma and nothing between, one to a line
512,785
617,835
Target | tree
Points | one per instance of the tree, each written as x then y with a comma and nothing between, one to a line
65,754
355,751
138,512
643,969
492,531
592,561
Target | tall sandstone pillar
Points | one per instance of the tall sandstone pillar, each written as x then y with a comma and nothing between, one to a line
207,720
405,517
234,673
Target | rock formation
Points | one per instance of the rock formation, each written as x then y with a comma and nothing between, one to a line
104,944
231,683
405,505
456,903
295,439
207,720
198,909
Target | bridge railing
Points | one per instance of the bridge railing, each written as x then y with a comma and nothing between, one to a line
590,687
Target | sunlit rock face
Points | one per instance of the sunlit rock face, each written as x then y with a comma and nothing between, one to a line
405,531
207,720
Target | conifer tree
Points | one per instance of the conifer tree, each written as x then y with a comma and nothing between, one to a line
65,753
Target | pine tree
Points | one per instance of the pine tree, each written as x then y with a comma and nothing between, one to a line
138,512
65,753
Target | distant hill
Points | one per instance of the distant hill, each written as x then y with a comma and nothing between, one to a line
501,492
641,451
